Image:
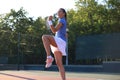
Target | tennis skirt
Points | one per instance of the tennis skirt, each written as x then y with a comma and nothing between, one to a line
61,46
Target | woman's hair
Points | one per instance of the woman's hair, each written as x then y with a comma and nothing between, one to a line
64,12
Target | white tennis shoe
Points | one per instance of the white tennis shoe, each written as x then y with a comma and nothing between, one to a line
49,62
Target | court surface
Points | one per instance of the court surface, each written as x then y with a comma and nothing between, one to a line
49,75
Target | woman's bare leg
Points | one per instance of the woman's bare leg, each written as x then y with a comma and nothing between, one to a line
47,41
58,59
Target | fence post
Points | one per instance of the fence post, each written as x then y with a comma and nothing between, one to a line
18,54
67,47
67,52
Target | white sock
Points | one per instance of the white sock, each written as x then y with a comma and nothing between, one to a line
49,56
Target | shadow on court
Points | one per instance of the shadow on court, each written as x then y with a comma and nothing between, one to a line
44,75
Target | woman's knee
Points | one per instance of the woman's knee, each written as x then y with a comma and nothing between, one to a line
44,37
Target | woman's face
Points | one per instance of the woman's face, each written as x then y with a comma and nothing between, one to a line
60,14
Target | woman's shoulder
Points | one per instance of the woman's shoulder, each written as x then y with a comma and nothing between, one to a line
62,20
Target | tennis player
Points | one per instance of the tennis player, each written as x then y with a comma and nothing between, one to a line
57,43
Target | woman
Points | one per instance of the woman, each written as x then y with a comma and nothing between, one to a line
56,43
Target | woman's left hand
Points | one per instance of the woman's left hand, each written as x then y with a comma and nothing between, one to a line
50,18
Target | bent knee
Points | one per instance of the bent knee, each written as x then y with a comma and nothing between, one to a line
44,36
50,37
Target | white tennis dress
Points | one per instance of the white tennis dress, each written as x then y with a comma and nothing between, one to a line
61,46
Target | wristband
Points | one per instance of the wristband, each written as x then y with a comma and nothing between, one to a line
50,23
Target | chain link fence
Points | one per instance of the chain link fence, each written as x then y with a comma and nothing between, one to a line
17,48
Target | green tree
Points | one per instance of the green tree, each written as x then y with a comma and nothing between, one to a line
90,17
